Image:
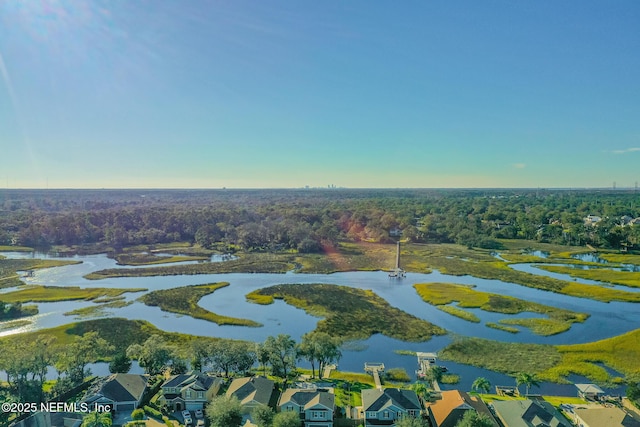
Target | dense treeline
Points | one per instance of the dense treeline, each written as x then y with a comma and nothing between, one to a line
310,220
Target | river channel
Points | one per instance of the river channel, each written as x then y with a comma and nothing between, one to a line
606,319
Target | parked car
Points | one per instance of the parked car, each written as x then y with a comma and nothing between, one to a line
188,421
199,413
200,423
186,414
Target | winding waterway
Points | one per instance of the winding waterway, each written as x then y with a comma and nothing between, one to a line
606,319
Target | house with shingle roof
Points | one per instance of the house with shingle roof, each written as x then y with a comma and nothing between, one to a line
385,407
123,392
252,392
528,413
316,407
190,391
451,407
601,416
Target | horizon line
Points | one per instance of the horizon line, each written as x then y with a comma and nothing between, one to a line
307,188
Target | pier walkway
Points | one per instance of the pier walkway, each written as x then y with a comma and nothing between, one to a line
426,361
375,369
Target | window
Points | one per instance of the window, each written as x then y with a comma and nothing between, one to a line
316,415
385,415
371,415
200,395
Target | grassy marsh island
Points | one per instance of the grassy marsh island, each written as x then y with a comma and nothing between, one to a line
250,263
452,259
39,293
184,300
150,259
551,363
601,274
442,294
120,333
100,309
347,256
349,313
457,260
9,268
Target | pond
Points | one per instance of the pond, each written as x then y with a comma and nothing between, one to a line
607,319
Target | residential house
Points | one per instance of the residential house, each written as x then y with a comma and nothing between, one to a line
384,407
123,392
589,391
316,407
601,416
252,392
625,220
528,413
591,220
189,391
451,407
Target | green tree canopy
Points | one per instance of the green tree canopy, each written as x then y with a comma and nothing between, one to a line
224,411
287,419
262,416
282,354
472,418
527,379
153,355
411,422
97,419
320,347
77,355
481,384
121,364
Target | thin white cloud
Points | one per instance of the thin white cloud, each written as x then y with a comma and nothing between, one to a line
519,165
627,150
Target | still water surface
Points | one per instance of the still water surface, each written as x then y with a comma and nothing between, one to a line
606,320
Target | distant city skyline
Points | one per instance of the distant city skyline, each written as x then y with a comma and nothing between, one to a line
286,94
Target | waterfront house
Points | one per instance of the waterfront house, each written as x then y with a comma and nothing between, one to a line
601,416
316,407
123,392
189,391
528,413
451,407
252,392
385,407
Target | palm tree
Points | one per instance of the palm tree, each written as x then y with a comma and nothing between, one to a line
481,384
97,419
421,390
527,379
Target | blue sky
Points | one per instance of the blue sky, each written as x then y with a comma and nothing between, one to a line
253,94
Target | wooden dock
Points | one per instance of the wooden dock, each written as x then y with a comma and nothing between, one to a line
375,369
505,390
426,361
397,272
